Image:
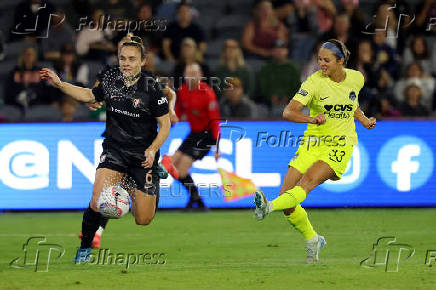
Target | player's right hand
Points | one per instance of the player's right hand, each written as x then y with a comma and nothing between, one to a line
51,77
319,119
94,106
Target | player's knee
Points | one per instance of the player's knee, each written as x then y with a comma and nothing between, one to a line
143,221
307,182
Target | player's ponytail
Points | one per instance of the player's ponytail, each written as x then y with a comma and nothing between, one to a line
342,48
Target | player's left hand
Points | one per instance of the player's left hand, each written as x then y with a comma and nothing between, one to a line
370,124
94,106
149,158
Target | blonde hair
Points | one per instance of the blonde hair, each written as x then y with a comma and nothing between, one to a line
272,20
239,57
20,61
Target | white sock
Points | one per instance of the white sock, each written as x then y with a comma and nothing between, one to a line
99,231
269,207
314,239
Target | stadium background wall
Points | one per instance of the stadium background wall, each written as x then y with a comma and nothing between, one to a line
52,166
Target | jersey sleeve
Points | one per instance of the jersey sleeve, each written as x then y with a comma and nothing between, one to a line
306,92
214,114
159,102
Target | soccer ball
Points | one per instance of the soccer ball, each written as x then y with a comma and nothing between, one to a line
113,202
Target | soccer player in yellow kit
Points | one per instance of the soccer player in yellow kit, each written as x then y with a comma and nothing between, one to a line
332,97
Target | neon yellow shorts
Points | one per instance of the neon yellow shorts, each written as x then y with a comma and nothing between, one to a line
336,157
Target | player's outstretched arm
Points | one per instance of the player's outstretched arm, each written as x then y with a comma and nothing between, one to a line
292,113
368,123
78,93
162,135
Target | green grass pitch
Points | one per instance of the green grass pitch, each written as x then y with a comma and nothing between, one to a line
226,250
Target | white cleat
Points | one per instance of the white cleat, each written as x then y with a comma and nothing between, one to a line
313,248
261,205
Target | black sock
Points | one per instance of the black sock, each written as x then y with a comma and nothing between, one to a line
103,221
189,184
90,224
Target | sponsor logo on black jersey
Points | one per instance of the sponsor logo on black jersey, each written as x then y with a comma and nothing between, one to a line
162,101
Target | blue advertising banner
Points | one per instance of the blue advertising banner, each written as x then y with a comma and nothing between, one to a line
52,166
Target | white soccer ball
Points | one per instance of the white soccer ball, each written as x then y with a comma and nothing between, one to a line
113,202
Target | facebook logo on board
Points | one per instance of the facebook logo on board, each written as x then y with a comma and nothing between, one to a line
405,163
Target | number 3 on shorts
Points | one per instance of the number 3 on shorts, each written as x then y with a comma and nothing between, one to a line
336,155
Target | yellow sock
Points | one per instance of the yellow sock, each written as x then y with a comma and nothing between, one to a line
301,222
289,199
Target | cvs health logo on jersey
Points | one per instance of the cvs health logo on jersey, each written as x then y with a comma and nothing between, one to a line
338,111
405,163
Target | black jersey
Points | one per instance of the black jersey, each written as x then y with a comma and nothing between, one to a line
131,111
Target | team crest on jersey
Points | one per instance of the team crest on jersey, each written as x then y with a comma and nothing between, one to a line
302,92
352,95
136,102
102,158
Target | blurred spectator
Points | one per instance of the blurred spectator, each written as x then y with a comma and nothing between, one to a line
92,40
69,70
387,110
24,87
412,106
31,19
385,55
2,46
282,9
325,15
418,51
341,31
234,103
180,29
260,34
304,29
351,8
68,107
59,34
151,29
365,64
189,54
117,9
279,79
76,9
311,66
232,64
425,17
414,74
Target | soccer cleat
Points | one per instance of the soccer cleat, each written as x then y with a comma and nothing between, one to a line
82,256
169,166
261,205
313,248
95,242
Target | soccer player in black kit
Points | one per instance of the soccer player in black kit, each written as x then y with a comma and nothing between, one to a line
136,105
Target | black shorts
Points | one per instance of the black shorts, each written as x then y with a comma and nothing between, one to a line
197,144
129,162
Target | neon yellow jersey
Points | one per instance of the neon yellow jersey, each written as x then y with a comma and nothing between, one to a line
337,101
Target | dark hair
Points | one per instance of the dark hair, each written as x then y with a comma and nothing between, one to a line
412,44
341,46
181,4
137,42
